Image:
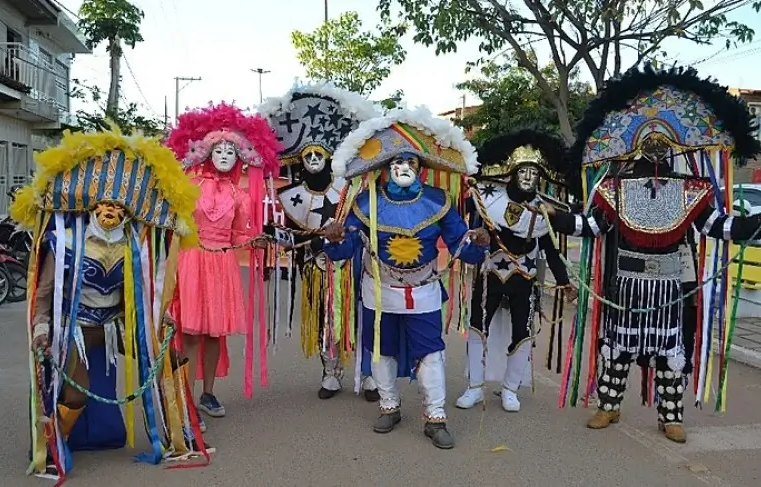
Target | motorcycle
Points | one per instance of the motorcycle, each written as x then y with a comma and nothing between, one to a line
17,240
12,278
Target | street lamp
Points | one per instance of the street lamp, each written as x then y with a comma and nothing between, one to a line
260,71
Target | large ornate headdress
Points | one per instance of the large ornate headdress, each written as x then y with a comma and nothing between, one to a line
314,119
439,144
674,107
501,156
88,168
199,130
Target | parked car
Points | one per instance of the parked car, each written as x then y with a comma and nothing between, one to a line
747,200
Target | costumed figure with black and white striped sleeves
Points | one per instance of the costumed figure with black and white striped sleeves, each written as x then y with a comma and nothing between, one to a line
633,136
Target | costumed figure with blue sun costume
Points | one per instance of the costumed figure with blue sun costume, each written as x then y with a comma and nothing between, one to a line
311,121
109,214
400,164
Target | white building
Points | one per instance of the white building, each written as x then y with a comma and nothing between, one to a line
37,44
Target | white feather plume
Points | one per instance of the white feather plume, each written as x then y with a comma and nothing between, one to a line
446,134
350,103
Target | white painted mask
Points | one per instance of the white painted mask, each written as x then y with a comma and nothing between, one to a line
527,177
404,169
224,156
314,159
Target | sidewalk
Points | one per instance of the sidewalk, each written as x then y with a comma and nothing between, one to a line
746,343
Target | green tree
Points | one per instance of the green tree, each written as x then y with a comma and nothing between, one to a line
115,22
512,99
596,34
128,119
393,100
341,52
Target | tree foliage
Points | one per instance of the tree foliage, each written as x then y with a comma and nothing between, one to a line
596,34
114,22
512,100
341,52
393,101
128,119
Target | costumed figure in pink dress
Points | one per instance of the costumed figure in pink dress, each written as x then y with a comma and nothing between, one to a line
217,144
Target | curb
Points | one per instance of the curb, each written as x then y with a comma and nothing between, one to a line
745,356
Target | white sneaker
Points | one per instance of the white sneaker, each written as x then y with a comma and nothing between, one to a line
470,398
510,402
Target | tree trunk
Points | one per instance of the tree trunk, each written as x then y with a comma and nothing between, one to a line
566,128
115,53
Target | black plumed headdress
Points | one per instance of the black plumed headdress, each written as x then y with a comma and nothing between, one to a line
502,155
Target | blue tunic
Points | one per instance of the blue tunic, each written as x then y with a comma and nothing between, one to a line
409,228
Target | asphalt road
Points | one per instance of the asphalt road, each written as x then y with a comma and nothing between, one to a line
286,436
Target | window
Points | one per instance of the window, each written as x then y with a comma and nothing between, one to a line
755,110
18,169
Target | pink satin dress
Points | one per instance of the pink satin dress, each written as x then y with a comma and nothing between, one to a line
209,299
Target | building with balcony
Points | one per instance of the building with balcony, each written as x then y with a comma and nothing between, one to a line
38,41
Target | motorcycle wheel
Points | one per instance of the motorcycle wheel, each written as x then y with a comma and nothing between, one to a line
5,284
17,275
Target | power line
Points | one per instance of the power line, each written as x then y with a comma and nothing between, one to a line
139,89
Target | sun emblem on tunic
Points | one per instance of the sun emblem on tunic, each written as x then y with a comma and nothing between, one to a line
404,251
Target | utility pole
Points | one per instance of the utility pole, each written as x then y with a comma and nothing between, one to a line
260,71
326,11
166,113
177,90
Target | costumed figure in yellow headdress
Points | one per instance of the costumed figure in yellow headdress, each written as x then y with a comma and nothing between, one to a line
109,214
632,141
311,121
512,168
398,220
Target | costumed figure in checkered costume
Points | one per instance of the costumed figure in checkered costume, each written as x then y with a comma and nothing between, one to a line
398,217
311,121
109,213
504,198
639,211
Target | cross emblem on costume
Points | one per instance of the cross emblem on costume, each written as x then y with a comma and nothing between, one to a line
654,184
289,122
296,200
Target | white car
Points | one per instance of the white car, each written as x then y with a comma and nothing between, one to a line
747,196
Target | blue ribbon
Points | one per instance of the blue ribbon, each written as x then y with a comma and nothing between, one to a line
144,363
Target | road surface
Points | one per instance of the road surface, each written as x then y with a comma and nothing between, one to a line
286,436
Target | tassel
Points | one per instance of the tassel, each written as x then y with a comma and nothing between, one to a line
375,266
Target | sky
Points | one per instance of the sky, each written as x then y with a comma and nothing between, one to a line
223,40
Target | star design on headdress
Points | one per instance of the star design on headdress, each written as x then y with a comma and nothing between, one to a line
326,211
323,121
315,132
329,136
344,130
332,109
313,111
488,190
335,119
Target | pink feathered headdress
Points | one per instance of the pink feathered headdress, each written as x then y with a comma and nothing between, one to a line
199,130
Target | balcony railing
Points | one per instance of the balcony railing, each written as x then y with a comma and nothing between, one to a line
44,83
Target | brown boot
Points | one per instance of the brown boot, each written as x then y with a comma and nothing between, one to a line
674,432
603,419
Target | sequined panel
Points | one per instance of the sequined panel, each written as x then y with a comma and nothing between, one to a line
654,205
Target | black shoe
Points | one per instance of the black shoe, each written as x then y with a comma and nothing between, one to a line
196,448
372,395
326,393
386,422
439,435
